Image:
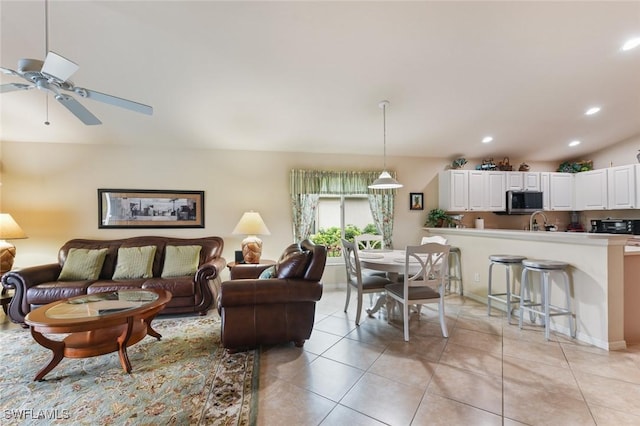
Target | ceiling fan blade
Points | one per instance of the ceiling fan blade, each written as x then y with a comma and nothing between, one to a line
78,110
8,71
114,100
4,88
58,66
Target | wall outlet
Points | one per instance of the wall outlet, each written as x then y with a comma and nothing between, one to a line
476,277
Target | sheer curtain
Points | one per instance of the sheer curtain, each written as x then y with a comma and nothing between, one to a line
307,185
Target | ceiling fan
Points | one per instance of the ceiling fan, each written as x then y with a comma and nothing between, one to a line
52,76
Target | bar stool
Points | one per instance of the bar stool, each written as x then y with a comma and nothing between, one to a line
508,297
455,265
544,308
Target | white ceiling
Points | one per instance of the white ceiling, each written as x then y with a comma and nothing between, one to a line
308,76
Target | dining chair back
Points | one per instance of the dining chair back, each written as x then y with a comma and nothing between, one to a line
369,242
434,239
425,272
357,280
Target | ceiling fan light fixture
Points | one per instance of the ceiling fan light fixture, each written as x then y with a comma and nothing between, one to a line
385,181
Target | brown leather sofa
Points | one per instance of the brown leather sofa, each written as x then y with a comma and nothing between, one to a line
274,310
38,285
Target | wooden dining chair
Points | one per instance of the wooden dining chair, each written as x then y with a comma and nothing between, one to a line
424,282
363,284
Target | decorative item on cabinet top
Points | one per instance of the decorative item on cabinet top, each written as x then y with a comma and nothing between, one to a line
524,167
638,156
459,163
575,166
504,165
487,164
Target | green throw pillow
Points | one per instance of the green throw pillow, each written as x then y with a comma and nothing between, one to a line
270,272
180,261
82,264
134,262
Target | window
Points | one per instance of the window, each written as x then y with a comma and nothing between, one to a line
341,216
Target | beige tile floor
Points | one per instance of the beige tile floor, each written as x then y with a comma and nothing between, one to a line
487,372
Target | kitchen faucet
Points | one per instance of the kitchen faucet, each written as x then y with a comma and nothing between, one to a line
531,219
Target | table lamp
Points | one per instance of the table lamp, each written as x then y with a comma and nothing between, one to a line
252,225
9,230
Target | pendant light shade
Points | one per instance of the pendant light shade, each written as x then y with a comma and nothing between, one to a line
385,181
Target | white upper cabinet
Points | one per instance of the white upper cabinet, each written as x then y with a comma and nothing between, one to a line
454,190
472,190
591,190
523,181
622,187
557,191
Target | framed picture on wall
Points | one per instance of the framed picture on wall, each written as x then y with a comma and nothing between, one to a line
149,208
416,201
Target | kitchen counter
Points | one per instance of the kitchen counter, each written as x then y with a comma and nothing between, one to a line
597,273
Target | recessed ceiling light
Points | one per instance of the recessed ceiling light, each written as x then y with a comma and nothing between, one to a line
592,110
631,44
574,143
487,139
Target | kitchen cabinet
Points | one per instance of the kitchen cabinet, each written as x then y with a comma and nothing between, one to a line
472,190
621,187
453,190
613,188
558,191
523,181
591,190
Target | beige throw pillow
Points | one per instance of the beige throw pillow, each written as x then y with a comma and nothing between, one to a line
181,261
82,264
134,262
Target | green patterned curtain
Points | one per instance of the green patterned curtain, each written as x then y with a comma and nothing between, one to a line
304,183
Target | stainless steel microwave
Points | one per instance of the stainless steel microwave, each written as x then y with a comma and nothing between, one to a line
523,202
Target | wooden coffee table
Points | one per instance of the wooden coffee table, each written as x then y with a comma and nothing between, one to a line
96,324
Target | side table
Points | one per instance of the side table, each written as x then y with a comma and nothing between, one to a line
248,270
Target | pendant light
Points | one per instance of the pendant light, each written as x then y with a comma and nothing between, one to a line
385,181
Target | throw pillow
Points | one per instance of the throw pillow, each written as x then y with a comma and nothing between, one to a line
292,266
134,262
180,261
270,272
82,264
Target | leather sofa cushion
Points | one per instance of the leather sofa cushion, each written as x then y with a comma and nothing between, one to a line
44,293
177,286
293,263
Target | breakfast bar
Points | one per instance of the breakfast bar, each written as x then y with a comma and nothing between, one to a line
597,273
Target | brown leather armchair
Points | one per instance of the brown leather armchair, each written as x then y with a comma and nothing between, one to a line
274,310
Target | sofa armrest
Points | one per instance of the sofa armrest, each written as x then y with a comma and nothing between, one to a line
207,279
23,279
269,291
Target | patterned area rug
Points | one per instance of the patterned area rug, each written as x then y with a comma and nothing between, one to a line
186,378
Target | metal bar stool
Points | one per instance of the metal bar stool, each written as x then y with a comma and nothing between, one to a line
544,308
509,296
455,269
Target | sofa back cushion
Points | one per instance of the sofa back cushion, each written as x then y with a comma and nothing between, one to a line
134,262
292,263
83,264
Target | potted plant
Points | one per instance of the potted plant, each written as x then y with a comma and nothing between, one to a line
438,218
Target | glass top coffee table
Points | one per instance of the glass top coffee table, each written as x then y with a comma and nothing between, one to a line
96,324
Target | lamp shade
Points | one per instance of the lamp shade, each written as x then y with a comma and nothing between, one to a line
251,223
9,229
385,181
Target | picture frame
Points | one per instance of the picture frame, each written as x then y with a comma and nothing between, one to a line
416,201
150,208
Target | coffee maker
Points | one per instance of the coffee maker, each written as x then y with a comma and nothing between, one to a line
574,222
